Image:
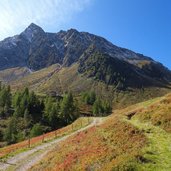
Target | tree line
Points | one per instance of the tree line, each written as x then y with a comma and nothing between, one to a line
99,107
30,115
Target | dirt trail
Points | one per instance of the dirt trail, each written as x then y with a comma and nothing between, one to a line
25,160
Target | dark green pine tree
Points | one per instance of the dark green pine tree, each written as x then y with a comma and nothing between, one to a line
53,116
107,109
27,119
16,103
92,97
68,109
35,107
10,134
48,106
16,99
89,98
97,107
36,130
5,101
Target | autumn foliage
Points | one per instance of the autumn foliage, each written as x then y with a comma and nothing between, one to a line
103,147
158,113
45,137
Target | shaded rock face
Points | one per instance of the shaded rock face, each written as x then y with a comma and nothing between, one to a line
97,57
44,49
120,73
37,49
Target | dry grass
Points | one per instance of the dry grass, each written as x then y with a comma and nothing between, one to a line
134,138
113,145
35,79
158,113
12,74
54,79
9,150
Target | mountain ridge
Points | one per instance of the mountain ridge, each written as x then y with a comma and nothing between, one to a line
88,57
33,31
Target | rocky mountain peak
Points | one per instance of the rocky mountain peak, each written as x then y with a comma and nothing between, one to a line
33,27
96,56
31,31
72,30
71,34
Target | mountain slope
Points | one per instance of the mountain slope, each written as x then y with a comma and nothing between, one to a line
126,140
115,71
12,74
83,61
37,49
56,80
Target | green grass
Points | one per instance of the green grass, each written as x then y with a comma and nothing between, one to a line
158,151
153,119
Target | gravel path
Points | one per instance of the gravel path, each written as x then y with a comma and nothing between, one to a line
25,160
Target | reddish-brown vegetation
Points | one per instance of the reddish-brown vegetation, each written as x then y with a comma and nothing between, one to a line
99,148
159,113
45,137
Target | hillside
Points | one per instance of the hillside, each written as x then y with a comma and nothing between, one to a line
34,79
9,75
54,76
57,80
134,138
76,61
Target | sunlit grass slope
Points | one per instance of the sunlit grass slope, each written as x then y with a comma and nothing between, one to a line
57,79
154,119
135,138
34,79
113,145
12,74
13,149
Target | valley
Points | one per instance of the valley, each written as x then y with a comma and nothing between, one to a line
120,142
147,149
72,101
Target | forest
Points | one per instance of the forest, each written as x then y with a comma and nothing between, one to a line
28,115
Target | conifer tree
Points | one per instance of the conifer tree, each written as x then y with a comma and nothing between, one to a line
11,131
68,109
27,118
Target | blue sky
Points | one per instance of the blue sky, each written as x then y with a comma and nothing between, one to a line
143,26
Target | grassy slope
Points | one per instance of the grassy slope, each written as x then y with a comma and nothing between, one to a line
35,79
157,155
12,74
13,149
114,145
132,138
154,119
159,113
54,79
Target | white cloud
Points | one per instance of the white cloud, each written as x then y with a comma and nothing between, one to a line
15,15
